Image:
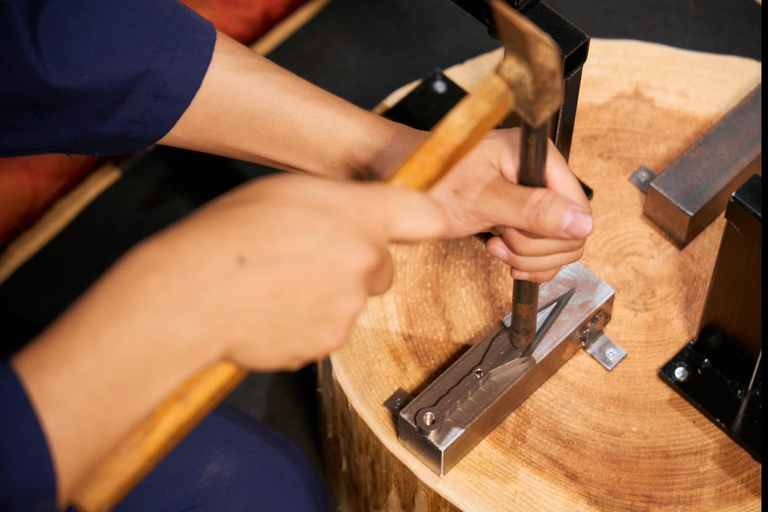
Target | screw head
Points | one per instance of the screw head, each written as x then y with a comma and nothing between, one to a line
681,373
398,403
642,175
611,354
439,86
479,373
429,418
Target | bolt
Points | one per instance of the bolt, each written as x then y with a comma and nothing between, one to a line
479,373
429,418
642,175
583,333
611,354
681,373
398,404
439,86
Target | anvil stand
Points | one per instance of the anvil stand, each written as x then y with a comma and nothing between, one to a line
436,425
720,371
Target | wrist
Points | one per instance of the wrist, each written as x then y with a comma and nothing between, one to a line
384,145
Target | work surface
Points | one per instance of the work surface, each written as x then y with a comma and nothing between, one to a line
588,439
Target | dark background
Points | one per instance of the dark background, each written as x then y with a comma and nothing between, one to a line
360,50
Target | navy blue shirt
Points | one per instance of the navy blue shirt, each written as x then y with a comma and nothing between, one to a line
26,471
96,77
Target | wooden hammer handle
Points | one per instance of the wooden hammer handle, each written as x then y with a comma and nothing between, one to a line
456,134
452,138
146,446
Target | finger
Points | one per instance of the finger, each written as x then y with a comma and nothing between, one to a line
560,178
402,215
382,276
543,263
539,211
523,245
536,277
498,249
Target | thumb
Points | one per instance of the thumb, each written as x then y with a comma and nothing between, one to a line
404,215
539,211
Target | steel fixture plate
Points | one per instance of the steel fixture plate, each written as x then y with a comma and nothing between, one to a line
579,324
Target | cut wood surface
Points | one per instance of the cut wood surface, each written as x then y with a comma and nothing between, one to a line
588,439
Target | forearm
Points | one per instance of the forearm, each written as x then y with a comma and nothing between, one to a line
251,109
104,365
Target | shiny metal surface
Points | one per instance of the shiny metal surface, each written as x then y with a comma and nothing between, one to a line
488,404
607,353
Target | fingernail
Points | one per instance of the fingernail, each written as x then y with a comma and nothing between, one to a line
578,224
497,252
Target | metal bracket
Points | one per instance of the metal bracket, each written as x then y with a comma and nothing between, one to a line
607,353
466,402
642,178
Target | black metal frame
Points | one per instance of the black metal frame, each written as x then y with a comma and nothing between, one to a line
720,371
574,44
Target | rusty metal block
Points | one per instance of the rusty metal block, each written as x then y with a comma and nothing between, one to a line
695,188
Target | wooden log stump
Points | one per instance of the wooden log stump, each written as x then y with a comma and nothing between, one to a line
588,439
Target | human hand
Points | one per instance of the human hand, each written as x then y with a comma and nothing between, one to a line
541,229
277,270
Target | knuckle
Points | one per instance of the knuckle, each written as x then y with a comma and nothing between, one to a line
295,365
541,208
365,258
333,337
347,306
540,277
547,276
573,256
516,242
516,261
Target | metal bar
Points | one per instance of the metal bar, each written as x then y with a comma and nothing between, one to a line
696,187
533,155
481,10
574,44
719,372
525,294
561,125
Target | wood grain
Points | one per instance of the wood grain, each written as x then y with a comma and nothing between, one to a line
588,439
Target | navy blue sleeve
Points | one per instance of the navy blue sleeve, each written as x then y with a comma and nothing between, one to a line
27,482
96,77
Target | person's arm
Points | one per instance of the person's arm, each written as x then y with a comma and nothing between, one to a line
270,276
251,109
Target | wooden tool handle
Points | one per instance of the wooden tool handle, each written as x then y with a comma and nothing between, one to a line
147,445
451,139
456,134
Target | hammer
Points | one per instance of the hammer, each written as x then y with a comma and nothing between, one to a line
530,81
